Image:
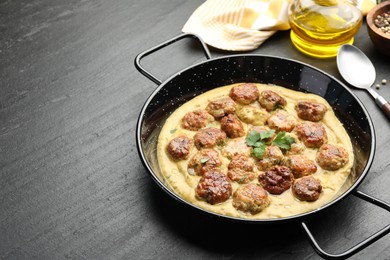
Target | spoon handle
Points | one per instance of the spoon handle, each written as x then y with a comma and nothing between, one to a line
384,105
386,109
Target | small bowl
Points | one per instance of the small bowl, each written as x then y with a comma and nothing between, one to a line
380,39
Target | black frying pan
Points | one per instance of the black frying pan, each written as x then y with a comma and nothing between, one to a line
197,79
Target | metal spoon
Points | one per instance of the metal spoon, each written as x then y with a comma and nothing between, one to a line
358,71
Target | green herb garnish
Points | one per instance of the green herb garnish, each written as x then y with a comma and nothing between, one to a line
243,179
278,106
204,160
173,130
283,141
257,140
259,151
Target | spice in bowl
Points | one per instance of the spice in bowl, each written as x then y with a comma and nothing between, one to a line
382,21
378,23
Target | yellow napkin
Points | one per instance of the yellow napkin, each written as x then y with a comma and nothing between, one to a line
242,25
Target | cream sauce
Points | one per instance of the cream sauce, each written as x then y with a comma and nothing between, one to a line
284,205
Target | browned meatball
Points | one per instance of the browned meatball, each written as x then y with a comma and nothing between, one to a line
241,169
271,100
242,162
252,115
245,93
277,179
313,135
209,137
214,187
272,156
221,107
282,121
232,126
203,161
236,146
300,165
251,198
179,147
332,157
307,188
310,110
195,120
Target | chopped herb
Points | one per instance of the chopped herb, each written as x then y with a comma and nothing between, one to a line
278,106
258,144
204,160
257,140
283,141
173,130
243,179
252,138
259,151
266,134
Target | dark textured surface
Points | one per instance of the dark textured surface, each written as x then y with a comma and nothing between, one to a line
71,182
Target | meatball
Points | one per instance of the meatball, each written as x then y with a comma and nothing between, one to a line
310,110
209,137
214,187
277,179
313,135
241,169
241,162
232,126
203,161
195,120
252,115
272,156
282,121
307,188
332,157
221,107
235,147
245,93
300,165
271,100
251,198
179,147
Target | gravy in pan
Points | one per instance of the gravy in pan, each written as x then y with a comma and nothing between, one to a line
328,160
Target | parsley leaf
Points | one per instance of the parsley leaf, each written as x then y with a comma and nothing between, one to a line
258,144
266,134
283,141
259,151
172,130
256,140
252,138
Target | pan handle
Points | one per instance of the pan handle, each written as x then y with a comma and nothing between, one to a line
366,242
143,54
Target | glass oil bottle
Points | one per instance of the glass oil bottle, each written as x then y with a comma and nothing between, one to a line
320,27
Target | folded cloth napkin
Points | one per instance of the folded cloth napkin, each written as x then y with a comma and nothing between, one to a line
242,25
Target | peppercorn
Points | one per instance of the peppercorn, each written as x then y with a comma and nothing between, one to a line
382,21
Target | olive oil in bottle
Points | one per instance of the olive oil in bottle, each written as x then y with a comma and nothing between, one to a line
320,27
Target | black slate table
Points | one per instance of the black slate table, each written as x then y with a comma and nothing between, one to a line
71,182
